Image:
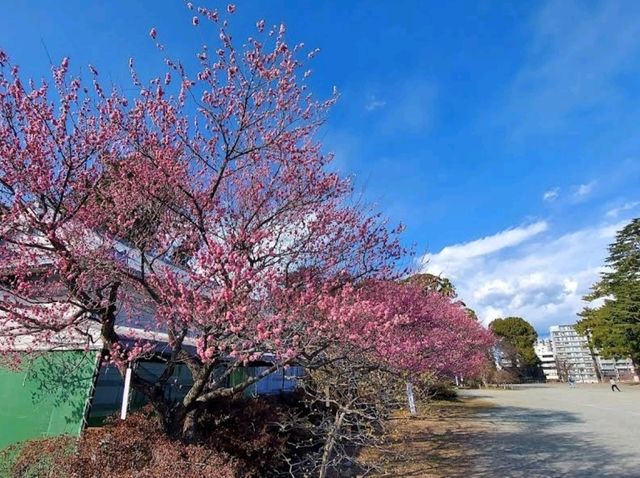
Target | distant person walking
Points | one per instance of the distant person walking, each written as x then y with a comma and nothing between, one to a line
614,387
571,382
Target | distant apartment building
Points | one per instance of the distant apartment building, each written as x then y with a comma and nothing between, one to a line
544,351
573,357
620,369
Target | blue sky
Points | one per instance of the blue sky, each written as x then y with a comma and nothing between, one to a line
502,134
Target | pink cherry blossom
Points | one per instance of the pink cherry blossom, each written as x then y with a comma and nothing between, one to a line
202,214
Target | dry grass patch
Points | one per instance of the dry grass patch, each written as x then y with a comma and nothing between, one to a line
431,445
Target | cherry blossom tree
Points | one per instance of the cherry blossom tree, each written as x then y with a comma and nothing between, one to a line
200,210
399,332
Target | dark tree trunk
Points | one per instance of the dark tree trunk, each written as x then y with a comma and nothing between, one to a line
189,432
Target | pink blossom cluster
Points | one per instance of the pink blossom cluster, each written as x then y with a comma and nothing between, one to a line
202,208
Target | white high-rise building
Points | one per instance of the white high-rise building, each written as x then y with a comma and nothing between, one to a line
544,351
573,357
620,369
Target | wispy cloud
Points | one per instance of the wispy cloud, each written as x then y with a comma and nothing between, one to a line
577,53
373,103
541,277
581,191
551,195
628,206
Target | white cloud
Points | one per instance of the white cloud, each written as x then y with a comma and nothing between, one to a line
521,272
454,259
551,194
583,190
373,103
615,212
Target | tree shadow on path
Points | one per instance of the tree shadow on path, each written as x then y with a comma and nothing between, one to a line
508,441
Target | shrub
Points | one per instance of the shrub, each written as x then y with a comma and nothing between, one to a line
236,438
431,388
247,429
132,448
441,391
36,458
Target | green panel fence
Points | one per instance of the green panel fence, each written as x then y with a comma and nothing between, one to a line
47,396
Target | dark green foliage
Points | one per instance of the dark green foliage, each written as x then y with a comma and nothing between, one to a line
614,326
520,335
434,283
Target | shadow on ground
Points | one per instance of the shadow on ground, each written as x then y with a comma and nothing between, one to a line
521,442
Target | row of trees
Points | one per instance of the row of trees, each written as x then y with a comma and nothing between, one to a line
200,209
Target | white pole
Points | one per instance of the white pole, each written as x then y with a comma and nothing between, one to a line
125,394
411,399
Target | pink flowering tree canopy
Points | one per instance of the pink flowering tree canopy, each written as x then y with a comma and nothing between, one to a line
200,211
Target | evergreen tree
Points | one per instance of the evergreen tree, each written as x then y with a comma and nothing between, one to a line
516,344
613,327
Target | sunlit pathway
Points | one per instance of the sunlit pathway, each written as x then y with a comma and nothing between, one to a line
554,431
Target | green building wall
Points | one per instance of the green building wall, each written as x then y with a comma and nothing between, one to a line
47,396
